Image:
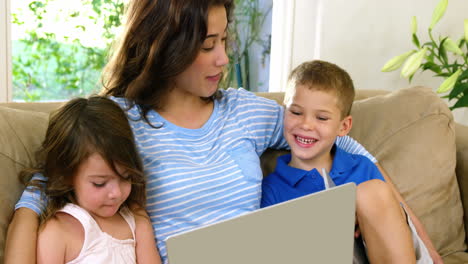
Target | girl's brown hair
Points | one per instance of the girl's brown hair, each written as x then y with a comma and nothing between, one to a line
76,130
161,39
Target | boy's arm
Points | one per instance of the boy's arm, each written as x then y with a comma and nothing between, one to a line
20,246
50,243
146,250
417,224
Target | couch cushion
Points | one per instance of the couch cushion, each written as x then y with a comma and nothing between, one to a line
411,133
456,258
462,166
21,133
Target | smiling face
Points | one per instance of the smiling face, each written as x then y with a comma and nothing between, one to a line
312,122
201,78
98,189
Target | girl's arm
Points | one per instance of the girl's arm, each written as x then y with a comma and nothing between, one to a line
146,250
20,246
51,244
417,224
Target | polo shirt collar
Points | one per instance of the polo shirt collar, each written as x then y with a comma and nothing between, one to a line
287,173
342,162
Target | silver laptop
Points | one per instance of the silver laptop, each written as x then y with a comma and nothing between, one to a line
317,228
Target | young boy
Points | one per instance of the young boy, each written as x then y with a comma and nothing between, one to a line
318,104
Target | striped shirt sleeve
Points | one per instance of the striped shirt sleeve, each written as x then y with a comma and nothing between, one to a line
350,145
32,197
262,117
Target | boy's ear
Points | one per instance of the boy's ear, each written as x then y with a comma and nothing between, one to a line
345,126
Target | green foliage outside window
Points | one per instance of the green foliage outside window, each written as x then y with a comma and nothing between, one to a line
48,67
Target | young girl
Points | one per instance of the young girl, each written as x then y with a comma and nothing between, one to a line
95,188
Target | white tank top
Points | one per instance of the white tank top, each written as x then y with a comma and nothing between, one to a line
98,246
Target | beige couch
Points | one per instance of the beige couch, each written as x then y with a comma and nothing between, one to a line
410,131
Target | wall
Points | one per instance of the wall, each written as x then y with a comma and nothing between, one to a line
361,35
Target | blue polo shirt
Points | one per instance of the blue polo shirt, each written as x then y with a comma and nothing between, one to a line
287,183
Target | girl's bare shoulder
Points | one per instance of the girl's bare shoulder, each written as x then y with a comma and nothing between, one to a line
65,232
63,224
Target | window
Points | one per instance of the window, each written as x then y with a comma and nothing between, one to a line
56,49
250,45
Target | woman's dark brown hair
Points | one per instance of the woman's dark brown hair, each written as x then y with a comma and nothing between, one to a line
161,39
76,130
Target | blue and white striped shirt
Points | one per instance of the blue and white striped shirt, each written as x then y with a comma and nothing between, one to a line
197,177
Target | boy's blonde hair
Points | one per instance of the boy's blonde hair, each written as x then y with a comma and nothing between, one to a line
323,76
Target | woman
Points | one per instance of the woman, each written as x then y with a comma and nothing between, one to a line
200,146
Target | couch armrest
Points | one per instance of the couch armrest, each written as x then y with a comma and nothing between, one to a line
461,132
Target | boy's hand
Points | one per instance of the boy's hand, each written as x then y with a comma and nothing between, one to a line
436,258
357,231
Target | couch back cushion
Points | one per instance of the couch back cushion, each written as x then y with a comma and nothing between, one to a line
462,166
21,133
411,133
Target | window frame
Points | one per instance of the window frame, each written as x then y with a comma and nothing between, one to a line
5,52
292,42
282,28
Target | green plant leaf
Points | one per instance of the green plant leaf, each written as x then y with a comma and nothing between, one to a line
464,75
442,51
445,75
430,57
431,66
458,89
462,102
461,42
429,44
416,41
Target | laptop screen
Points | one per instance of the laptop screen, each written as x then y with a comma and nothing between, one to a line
317,228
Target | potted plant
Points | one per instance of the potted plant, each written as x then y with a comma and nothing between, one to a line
444,56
